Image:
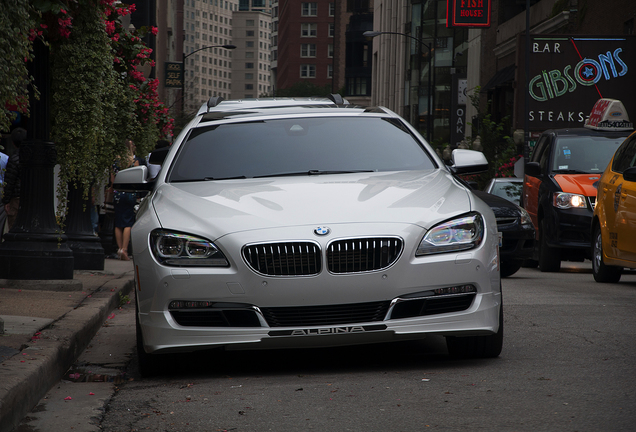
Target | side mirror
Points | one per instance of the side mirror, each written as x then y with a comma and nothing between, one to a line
630,174
533,169
158,156
133,179
468,162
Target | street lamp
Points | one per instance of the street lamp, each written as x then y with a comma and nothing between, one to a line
372,34
185,56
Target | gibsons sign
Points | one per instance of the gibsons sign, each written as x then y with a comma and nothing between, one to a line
568,74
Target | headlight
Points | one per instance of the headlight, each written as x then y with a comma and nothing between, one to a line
459,234
524,217
564,200
177,249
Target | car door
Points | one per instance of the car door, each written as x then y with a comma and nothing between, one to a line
624,197
532,183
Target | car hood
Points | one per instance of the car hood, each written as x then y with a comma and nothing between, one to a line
578,183
215,208
501,207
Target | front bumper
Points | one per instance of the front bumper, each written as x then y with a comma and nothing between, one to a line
517,244
237,308
569,229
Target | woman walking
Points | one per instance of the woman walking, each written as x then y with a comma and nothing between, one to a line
124,204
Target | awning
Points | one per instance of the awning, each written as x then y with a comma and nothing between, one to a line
502,78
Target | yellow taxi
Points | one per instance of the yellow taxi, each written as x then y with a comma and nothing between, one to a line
614,220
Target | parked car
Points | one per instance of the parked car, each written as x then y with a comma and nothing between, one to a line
515,226
558,191
614,222
310,222
506,187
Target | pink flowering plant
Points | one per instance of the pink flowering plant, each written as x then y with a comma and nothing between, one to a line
507,169
100,93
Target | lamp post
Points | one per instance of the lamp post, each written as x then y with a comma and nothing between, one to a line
372,34
185,56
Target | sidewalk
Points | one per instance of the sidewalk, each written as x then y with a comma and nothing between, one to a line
47,325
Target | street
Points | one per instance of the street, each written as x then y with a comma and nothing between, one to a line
568,364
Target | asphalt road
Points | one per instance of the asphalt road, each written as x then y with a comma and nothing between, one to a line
568,364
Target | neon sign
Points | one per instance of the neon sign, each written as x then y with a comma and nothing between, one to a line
568,74
587,72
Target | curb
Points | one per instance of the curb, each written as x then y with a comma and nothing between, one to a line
33,372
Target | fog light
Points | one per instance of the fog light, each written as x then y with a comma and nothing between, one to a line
176,304
459,289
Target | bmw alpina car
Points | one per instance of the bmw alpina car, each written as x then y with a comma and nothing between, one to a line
278,223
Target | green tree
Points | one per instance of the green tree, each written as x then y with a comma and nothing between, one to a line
498,146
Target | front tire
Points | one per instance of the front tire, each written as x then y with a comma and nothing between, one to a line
549,257
602,273
477,346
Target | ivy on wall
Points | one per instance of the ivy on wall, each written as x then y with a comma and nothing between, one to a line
99,97
16,24
81,80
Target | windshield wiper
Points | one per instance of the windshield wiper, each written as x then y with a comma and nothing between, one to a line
207,179
225,178
311,173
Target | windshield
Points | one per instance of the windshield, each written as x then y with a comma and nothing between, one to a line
302,146
508,190
584,154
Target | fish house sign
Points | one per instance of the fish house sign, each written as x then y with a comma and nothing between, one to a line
468,13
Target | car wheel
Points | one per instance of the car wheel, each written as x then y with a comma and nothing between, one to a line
477,346
602,273
549,257
508,268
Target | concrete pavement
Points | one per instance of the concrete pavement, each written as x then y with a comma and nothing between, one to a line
47,325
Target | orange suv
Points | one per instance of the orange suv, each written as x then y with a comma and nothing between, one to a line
559,190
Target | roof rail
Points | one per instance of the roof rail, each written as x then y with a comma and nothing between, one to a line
214,101
337,99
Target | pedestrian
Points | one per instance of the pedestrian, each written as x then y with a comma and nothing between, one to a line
124,203
3,166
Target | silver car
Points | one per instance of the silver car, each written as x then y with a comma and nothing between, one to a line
279,223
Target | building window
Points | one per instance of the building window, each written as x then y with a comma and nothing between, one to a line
330,50
249,86
249,23
357,86
308,71
249,44
249,65
308,50
332,29
308,30
330,71
249,54
309,9
332,9
249,76
249,33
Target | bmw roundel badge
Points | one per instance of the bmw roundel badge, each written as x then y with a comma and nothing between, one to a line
322,230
